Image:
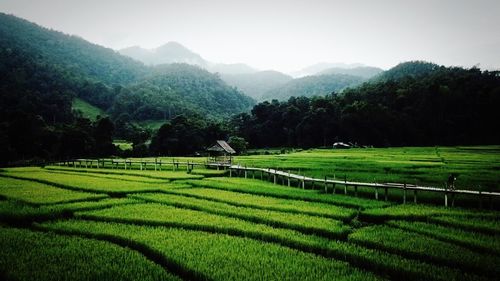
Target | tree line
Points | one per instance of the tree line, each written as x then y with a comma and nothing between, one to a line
417,104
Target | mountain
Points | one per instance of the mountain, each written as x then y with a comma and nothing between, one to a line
173,89
171,52
319,67
366,72
70,53
257,83
318,85
45,73
416,104
411,69
231,68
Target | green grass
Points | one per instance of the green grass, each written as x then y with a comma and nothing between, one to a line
154,239
161,175
15,212
268,203
123,145
418,246
88,183
300,222
477,167
421,212
258,187
489,225
110,176
27,255
472,240
88,110
158,214
222,257
38,193
221,228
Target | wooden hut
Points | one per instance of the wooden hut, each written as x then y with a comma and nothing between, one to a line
220,152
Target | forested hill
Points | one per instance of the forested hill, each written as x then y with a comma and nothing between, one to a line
174,89
316,85
69,53
99,75
415,103
43,70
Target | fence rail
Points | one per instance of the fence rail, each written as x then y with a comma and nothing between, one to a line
285,177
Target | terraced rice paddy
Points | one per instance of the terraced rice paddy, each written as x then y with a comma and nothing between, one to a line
102,224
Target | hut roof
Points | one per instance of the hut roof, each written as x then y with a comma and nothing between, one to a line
222,146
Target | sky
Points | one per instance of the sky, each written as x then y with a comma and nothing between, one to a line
286,35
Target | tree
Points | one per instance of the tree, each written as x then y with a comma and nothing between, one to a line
239,144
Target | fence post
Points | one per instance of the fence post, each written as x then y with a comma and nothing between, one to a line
446,195
245,171
345,184
415,196
288,178
230,172
326,186
304,182
333,187
274,177
355,191
404,193
376,193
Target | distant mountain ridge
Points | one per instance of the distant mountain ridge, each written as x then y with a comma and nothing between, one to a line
173,52
37,61
316,85
366,72
258,83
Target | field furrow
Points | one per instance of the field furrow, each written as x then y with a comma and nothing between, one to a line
301,222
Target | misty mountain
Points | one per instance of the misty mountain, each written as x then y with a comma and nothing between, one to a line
66,52
173,89
317,85
173,52
52,68
231,68
366,72
319,67
258,83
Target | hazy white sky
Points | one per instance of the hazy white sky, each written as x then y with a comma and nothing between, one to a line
286,35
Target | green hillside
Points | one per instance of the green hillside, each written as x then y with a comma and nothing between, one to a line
86,109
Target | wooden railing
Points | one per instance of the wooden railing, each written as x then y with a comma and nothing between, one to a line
277,175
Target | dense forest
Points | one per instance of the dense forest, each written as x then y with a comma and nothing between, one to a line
313,86
415,103
43,71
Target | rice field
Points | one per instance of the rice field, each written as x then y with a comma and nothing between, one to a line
61,223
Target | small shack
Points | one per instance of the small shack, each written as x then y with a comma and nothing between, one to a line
341,145
220,152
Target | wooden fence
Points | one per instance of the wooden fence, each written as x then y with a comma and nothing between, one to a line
285,177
